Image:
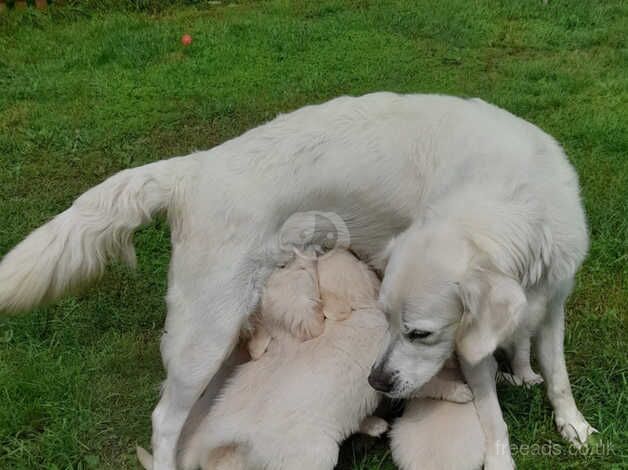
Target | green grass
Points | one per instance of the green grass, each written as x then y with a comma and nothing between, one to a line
86,91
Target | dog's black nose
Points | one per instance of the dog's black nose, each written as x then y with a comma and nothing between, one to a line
380,381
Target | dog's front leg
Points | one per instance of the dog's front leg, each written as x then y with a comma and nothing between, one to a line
481,379
551,356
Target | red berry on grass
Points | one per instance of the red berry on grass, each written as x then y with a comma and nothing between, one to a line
186,39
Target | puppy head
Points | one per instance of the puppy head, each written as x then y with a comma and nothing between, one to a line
345,284
436,302
291,299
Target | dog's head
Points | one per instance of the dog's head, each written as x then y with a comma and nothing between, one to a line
438,299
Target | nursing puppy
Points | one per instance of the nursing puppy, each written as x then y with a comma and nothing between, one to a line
318,332
307,390
438,435
416,438
382,163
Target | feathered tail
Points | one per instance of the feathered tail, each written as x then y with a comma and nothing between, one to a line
75,246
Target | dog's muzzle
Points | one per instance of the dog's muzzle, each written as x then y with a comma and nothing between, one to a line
381,380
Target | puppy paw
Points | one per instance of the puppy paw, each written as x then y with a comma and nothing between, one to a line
444,389
373,426
575,429
311,327
459,393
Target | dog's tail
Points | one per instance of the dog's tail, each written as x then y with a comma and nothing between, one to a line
75,246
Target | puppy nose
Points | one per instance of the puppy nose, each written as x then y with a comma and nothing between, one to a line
380,381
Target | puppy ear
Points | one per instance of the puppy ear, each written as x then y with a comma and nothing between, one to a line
493,307
335,307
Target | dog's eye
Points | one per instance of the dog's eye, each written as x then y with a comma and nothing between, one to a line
413,335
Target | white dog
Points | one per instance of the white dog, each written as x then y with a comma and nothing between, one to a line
497,266
491,199
416,437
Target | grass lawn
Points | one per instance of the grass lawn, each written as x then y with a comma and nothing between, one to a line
87,90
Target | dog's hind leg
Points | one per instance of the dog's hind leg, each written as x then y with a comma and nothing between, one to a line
551,357
205,313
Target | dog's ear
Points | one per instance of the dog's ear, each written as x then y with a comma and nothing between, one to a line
493,305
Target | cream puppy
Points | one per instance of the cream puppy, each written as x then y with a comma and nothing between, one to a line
439,435
294,405
416,438
318,331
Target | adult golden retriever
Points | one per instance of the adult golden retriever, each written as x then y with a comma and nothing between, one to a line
489,198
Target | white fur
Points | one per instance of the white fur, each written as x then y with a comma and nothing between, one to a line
438,435
466,435
75,246
296,402
382,162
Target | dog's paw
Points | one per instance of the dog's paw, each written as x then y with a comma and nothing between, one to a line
531,378
575,429
459,393
528,379
373,426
